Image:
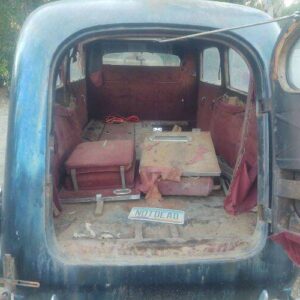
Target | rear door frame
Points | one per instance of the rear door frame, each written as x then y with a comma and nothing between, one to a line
285,132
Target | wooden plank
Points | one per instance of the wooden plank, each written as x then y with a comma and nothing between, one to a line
195,157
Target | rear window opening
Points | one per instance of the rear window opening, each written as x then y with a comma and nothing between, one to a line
141,59
155,153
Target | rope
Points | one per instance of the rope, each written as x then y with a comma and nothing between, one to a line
119,119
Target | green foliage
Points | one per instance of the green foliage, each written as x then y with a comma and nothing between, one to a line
12,15
292,8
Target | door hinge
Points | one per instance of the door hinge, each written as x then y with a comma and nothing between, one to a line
264,213
9,280
265,106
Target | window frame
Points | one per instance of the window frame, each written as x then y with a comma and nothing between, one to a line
287,65
227,73
147,66
280,59
201,64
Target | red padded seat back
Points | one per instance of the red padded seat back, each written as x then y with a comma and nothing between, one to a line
81,111
226,130
67,134
67,131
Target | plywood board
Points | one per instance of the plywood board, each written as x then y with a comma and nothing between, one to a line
145,129
193,154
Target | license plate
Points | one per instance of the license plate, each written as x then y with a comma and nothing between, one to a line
160,215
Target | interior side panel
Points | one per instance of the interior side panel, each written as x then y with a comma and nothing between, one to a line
78,91
207,94
152,93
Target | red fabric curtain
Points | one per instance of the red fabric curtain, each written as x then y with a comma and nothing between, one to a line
242,194
291,244
243,190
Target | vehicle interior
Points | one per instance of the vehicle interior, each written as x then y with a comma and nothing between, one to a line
143,125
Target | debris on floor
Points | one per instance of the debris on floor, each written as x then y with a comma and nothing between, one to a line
89,233
207,231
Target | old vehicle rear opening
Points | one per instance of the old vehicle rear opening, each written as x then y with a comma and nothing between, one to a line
146,162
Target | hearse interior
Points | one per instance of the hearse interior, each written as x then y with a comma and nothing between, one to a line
155,151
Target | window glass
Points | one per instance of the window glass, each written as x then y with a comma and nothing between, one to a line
211,70
141,59
239,74
293,66
76,69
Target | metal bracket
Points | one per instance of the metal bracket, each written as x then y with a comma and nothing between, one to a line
170,138
123,190
9,281
74,180
135,196
264,213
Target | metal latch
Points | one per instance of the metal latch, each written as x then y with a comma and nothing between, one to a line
264,213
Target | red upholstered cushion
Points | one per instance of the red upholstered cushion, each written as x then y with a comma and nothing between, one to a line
102,156
101,180
67,132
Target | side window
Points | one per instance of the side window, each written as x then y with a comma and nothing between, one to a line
211,66
293,66
76,66
239,75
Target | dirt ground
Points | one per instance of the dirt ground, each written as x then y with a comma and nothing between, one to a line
3,129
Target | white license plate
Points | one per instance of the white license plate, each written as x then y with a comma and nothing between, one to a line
160,215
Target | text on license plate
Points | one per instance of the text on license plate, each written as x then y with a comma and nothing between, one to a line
161,215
